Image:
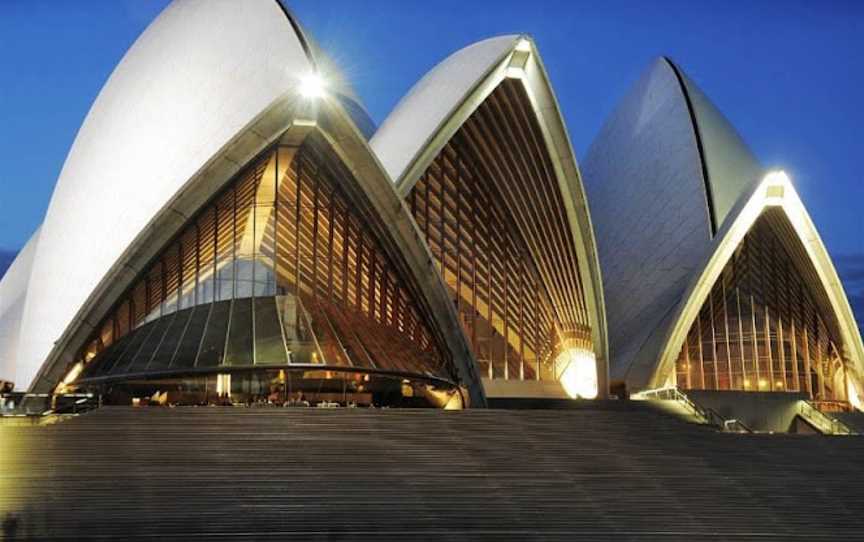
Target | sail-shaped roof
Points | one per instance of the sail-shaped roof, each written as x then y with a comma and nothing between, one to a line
487,80
673,189
206,88
13,294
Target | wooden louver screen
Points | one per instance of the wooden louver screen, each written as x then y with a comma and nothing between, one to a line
761,328
491,210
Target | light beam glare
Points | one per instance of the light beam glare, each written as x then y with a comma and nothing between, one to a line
577,372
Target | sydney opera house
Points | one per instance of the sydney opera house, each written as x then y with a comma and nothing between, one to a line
240,228
230,225
230,229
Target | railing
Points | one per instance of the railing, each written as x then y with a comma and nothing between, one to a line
704,414
46,404
825,424
734,425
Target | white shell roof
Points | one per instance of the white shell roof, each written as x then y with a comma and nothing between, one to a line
427,106
199,73
650,204
732,168
13,294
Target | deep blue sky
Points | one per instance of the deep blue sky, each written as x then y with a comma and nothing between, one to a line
789,75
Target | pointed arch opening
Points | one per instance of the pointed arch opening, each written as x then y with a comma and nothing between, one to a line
794,330
766,324
283,283
491,210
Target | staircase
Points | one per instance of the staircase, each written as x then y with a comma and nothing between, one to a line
822,422
853,420
677,400
601,470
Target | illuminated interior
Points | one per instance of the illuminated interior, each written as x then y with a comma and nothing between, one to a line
767,324
491,211
576,369
284,268
290,386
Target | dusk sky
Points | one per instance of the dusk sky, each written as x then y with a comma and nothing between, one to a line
789,75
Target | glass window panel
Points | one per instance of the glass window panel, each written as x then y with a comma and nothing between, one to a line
189,255
155,292
171,269
213,344
329,350
244,268
187,350
137,338
144,356
286,222
265,254
206,255
245,239
269,344
266,189
103,363
225,247
165,353
302,344
308,188
239,346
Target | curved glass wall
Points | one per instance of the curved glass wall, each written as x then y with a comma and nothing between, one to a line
283,267
491,211
763,328
261,331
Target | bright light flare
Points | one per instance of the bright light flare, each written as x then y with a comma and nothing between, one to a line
852,393
312,86
223,385
577,372
73,374
777,177
70,377
775,187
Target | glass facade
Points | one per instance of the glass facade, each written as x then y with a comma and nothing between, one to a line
763,327
491,211
284,267
282,387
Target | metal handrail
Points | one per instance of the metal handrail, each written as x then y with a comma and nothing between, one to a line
674,394
734,425
706,414
828,425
